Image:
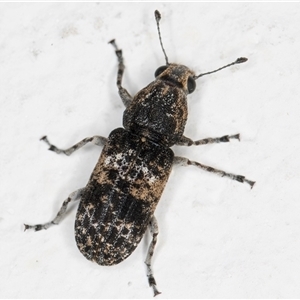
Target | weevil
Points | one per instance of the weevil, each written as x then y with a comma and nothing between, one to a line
118,203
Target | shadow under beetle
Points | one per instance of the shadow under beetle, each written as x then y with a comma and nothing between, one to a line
117,205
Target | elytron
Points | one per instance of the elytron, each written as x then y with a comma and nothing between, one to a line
117,205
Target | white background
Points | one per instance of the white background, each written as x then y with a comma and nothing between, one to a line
218,238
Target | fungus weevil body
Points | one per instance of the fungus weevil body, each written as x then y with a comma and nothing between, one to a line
117,205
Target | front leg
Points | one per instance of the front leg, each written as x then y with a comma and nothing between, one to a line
125,96
185,141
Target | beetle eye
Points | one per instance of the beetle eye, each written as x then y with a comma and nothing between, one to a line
160,70
191,84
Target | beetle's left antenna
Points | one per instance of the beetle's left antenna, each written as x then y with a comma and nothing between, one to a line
238,61
157,18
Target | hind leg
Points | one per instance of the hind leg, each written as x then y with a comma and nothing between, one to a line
61,213
153,226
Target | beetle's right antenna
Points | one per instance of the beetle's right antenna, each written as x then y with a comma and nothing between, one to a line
157,18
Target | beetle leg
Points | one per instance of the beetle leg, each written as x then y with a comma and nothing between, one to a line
97,140
185,141
125,96
153,226
183,161
60,215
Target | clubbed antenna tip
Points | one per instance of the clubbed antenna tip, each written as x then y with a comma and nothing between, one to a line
241,60
157,16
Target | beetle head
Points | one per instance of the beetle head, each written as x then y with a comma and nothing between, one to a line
177,75
180,75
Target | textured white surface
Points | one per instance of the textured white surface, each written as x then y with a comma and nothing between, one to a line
218,238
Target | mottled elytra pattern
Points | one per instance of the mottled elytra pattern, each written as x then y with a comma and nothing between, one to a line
121,197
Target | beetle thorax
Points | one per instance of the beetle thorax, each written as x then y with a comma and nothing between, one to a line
158,112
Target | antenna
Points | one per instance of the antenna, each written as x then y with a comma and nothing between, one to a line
238,61
157,18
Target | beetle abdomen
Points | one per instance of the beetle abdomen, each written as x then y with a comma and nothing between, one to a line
120,197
